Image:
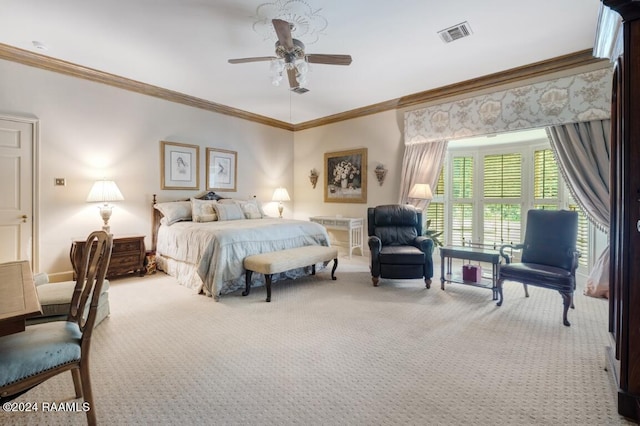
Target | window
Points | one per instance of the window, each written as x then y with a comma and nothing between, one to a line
435,211
582,243
489,187
502,188
545,175
461,228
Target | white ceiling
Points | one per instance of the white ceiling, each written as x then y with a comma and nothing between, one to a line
183,45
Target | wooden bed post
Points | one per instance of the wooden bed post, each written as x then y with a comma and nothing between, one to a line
155,224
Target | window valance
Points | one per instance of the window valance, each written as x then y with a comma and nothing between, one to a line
571,99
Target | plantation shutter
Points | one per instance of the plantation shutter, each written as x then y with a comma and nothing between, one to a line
462,177
582,244
546,179
435,211
462,205
503,176
502,214
439,191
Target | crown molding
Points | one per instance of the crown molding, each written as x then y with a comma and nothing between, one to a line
538,69
48,63
465,88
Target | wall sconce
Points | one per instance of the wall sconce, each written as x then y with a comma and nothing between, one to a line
313,177
104,191
381,173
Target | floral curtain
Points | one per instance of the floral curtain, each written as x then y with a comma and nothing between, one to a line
582,153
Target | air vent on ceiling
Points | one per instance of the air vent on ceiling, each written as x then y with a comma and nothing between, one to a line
456,32
300,90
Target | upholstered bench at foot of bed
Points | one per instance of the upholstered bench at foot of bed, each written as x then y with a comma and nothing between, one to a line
285,260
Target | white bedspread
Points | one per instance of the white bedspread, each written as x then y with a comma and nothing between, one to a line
217,249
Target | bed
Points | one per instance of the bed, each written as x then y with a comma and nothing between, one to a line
203,241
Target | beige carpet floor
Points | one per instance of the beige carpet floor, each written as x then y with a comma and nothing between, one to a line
342,353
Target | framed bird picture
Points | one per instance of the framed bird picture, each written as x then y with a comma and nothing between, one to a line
222,166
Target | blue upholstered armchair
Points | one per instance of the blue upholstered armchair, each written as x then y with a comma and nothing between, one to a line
549,256
398,249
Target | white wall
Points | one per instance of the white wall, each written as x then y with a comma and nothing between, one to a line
380,133
91,130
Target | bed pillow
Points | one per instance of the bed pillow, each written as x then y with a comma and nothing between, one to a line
228,211
175,211
203,211
252,209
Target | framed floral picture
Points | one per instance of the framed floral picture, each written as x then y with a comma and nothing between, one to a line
179,165
221,169
345,176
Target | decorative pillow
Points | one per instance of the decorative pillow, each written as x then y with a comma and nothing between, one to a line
203,211
228,211
252,208
229,201
175,211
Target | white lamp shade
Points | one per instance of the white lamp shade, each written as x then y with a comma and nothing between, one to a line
281,194
104,191
421,191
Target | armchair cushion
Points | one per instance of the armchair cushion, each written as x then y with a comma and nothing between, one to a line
55,301
551,238
543,275
39,348
396,235
408,255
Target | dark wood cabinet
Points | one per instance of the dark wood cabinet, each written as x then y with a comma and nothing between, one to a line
127,256
624,232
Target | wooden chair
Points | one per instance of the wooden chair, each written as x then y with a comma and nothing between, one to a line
45,350
549,256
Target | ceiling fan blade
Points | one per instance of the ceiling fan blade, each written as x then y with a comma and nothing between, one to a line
329,59
256,59
293,82
283,31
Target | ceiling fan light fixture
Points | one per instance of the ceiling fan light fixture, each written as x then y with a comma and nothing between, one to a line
291,57
276,67
302,67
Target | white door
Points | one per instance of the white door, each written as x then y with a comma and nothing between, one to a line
16,187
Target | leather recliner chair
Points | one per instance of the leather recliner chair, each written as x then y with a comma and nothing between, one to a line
398,248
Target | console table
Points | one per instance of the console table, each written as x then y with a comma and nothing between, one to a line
470,253
353,225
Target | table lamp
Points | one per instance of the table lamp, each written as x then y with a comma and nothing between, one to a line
280,195
421,191
105,191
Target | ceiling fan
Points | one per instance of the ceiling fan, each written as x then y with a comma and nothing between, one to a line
291,57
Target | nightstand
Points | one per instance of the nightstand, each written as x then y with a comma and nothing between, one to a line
127,256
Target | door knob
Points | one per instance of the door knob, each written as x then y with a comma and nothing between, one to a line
24,218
